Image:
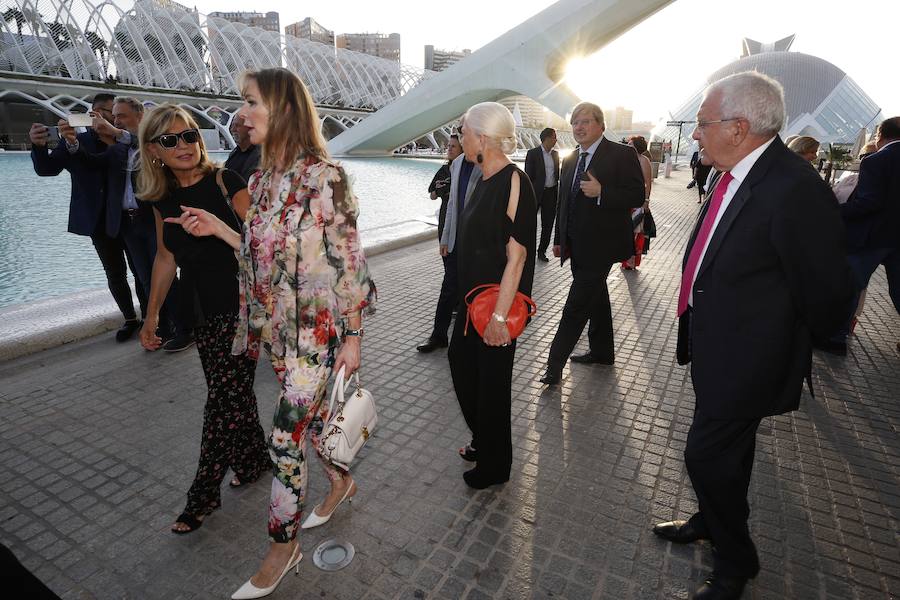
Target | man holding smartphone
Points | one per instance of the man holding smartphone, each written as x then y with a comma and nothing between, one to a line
87,203
600,182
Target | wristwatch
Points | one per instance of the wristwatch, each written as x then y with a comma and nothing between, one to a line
497,317
353,332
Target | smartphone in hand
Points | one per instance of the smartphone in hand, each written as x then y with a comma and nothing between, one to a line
80,120
53,132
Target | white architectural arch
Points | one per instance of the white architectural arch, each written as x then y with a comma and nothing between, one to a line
529,59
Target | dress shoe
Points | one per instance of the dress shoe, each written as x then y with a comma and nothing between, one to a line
680,532
551,376
180,342
314,520
718,587
431,344
479,480
248,590
127,330
542,257
592,359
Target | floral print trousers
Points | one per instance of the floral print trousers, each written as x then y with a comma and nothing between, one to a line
300,413
232,435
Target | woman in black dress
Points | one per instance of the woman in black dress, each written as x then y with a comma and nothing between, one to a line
176,171
495,244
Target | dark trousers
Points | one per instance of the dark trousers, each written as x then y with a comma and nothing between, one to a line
863,263
482,378
111,252
719,460
447,300
14,576
139,235
547,207
588,302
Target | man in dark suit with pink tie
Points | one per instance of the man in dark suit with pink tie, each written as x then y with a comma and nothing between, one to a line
765,270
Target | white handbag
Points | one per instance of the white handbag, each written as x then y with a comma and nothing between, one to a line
350,424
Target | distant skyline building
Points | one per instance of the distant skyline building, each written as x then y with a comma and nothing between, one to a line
269,21
383,45
438,60
618,118
822,101
310,29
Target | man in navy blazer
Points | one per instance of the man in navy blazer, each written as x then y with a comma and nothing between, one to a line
872,217
542,168
764,269
87,207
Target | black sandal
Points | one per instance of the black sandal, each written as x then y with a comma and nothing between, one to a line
468,453
191,521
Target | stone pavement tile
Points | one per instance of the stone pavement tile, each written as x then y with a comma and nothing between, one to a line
99,441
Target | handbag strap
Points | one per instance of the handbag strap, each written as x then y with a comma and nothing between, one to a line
225,194
340,387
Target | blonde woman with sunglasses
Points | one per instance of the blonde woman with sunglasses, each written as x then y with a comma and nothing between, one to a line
176,172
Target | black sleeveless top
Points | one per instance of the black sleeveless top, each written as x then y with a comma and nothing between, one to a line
485,229
208,265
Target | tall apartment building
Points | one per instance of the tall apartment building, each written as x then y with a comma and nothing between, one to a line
268,21
618,119
438,60
384,45
310,29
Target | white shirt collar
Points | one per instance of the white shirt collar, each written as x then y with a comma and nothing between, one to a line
742,168
592,148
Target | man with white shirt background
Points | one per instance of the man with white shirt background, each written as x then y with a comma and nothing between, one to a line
542,168
765,269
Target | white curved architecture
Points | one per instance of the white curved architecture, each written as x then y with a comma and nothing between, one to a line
161,44
530,59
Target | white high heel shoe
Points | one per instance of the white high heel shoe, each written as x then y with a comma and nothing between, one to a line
248,590
314,520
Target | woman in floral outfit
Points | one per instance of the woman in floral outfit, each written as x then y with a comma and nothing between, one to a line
303,286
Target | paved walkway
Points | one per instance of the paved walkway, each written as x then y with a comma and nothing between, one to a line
98,444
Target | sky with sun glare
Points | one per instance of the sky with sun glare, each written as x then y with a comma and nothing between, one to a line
650,69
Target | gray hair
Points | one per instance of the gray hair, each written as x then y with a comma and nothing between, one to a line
591,109
494,121
132,102
752,96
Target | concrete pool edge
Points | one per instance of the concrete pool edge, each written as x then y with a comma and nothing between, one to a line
39,325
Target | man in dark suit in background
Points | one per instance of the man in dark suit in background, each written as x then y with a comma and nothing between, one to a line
872,217
601,181
127,214
765,268
87,206
542,168
244,159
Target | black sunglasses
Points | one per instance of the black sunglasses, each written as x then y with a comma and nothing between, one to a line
170,140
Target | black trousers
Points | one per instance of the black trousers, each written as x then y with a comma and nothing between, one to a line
587,302
482,378
719,459
112,254
139,235
447,300
14,576
547,208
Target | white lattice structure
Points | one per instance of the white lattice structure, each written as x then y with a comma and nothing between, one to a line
161,44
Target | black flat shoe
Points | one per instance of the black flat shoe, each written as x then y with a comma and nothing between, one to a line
124,333
468,453
543,257
680,532
479,481
191,521
430,345
551,376
717,587
593,359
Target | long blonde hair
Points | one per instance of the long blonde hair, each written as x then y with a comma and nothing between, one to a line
294,127
155,180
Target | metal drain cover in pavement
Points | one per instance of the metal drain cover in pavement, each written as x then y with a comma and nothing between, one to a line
333,554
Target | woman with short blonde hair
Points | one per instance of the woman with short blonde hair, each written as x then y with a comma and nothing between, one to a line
175,172
806,146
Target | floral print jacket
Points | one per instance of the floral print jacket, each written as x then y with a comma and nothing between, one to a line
301,265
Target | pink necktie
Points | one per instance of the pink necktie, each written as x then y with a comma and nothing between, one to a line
687,276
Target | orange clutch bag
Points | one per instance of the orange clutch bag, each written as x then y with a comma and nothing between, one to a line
480,303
